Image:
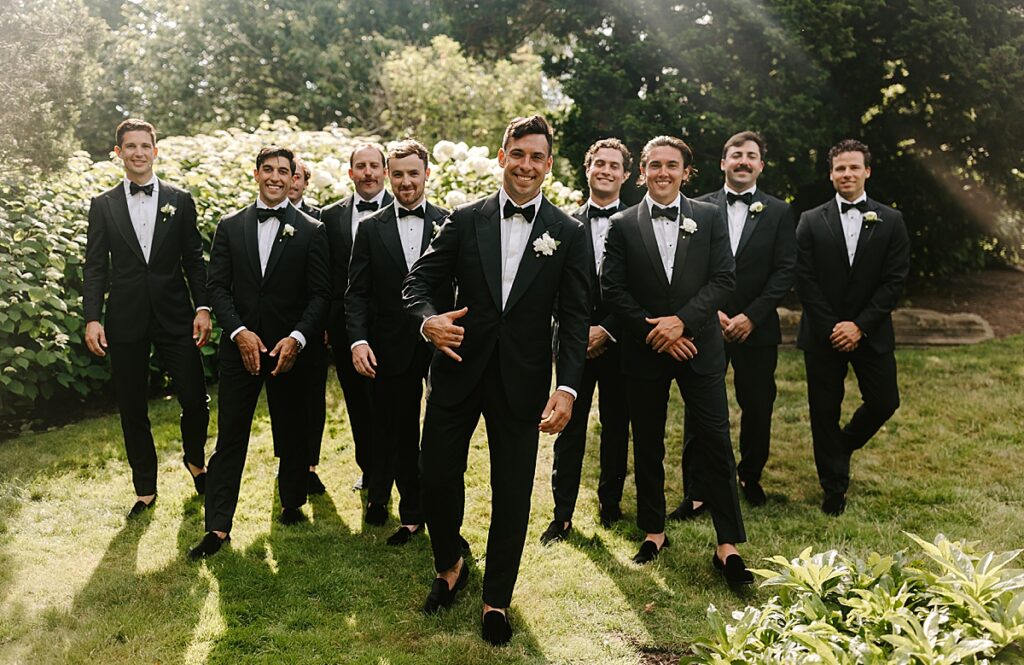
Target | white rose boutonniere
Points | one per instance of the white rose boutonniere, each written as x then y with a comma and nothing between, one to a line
437,229
689,225
545,245
288,230
168,210
871,217
756,207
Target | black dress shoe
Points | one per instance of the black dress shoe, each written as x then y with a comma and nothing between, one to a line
376,514
290,516
403,535
610,515
496,628
440,596
199,481
734,570
555,531
834,504
141,507
313,484
210,544
686,511
753,492
649,551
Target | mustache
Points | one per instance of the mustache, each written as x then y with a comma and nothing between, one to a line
746,169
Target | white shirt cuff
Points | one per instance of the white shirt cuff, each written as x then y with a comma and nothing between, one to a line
358,342
236,331
567,389
202,307
610,336
425,338
300,338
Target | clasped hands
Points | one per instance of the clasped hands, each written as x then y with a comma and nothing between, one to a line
667,337
251,346
846,336
737,328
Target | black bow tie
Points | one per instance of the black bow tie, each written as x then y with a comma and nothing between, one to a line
263,214
363,206
513,209
594,211
733,198
405,212
668,213
845,207
145,189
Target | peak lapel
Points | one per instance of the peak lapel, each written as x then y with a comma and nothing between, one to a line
683,242
835,227
643,213
163,222
750,223
488,240
531,262
118,203
250,236
388,225
280,240
866,231
432,217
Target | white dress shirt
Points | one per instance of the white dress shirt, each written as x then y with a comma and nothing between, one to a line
142,210
358,216
737,217
599,232
515,233
666,232
410,231
852,220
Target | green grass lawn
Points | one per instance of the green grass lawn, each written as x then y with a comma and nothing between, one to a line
79,584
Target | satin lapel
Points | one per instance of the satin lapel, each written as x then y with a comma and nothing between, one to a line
163,222
348,208
866,231
683,244
532,262
432,217
488,240
581,215
723,207
280,240
392,240
118,204
750,223
835,227
643,214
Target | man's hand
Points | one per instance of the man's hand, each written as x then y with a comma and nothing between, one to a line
667,329
556,412
739,328
596,341
723,320
682,349
250,346
364,361
444,334
202,326
286,351
845,336
96,338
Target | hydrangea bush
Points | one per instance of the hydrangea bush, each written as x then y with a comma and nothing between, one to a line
43,231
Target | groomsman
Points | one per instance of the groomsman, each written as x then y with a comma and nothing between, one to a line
297,190
853,258
269,286
763,242
667,271
368,170
387,347
144,246
519,261
607,165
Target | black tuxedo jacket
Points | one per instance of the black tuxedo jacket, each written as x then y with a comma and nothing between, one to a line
141,292
310,210
831,290
599,314
635,287
291,295
337,219
468,249
765,265
373,300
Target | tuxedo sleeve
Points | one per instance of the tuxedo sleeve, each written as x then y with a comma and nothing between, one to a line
192,253
318,286
431,270
783,272
220,282
360,285
573,313
629,315
703,307
894,274
812,298
97,264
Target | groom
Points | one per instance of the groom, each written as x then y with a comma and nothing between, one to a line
519,261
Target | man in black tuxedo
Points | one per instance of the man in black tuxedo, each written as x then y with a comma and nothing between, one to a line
606,163
296,193
368,170
853,258
269,285
763,242
143,243
387,347
667,271
517,261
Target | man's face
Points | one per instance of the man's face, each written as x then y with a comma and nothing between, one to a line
299,183
274,177
742,165
665,173
849,174
408,178
525,161
367,172
137,152
606,174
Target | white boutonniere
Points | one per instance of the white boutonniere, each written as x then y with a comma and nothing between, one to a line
168,210
871,217
288,230
545,245
689,225
756,207
437,229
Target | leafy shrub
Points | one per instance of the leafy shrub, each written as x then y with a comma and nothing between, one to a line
43,230
947,604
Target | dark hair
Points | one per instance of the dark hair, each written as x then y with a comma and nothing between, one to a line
661,141
407,148
743,137
306,172
133,125
614,144
368,144
520,127
271,151
849,145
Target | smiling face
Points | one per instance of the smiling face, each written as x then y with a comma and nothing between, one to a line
408,178
526,161
606,175
299,184
849,174
274,177
138,152
367,172
742,165
664,173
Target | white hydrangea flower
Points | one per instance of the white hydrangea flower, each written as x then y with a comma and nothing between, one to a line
443,151
479,164
454,198
479,151
460,152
